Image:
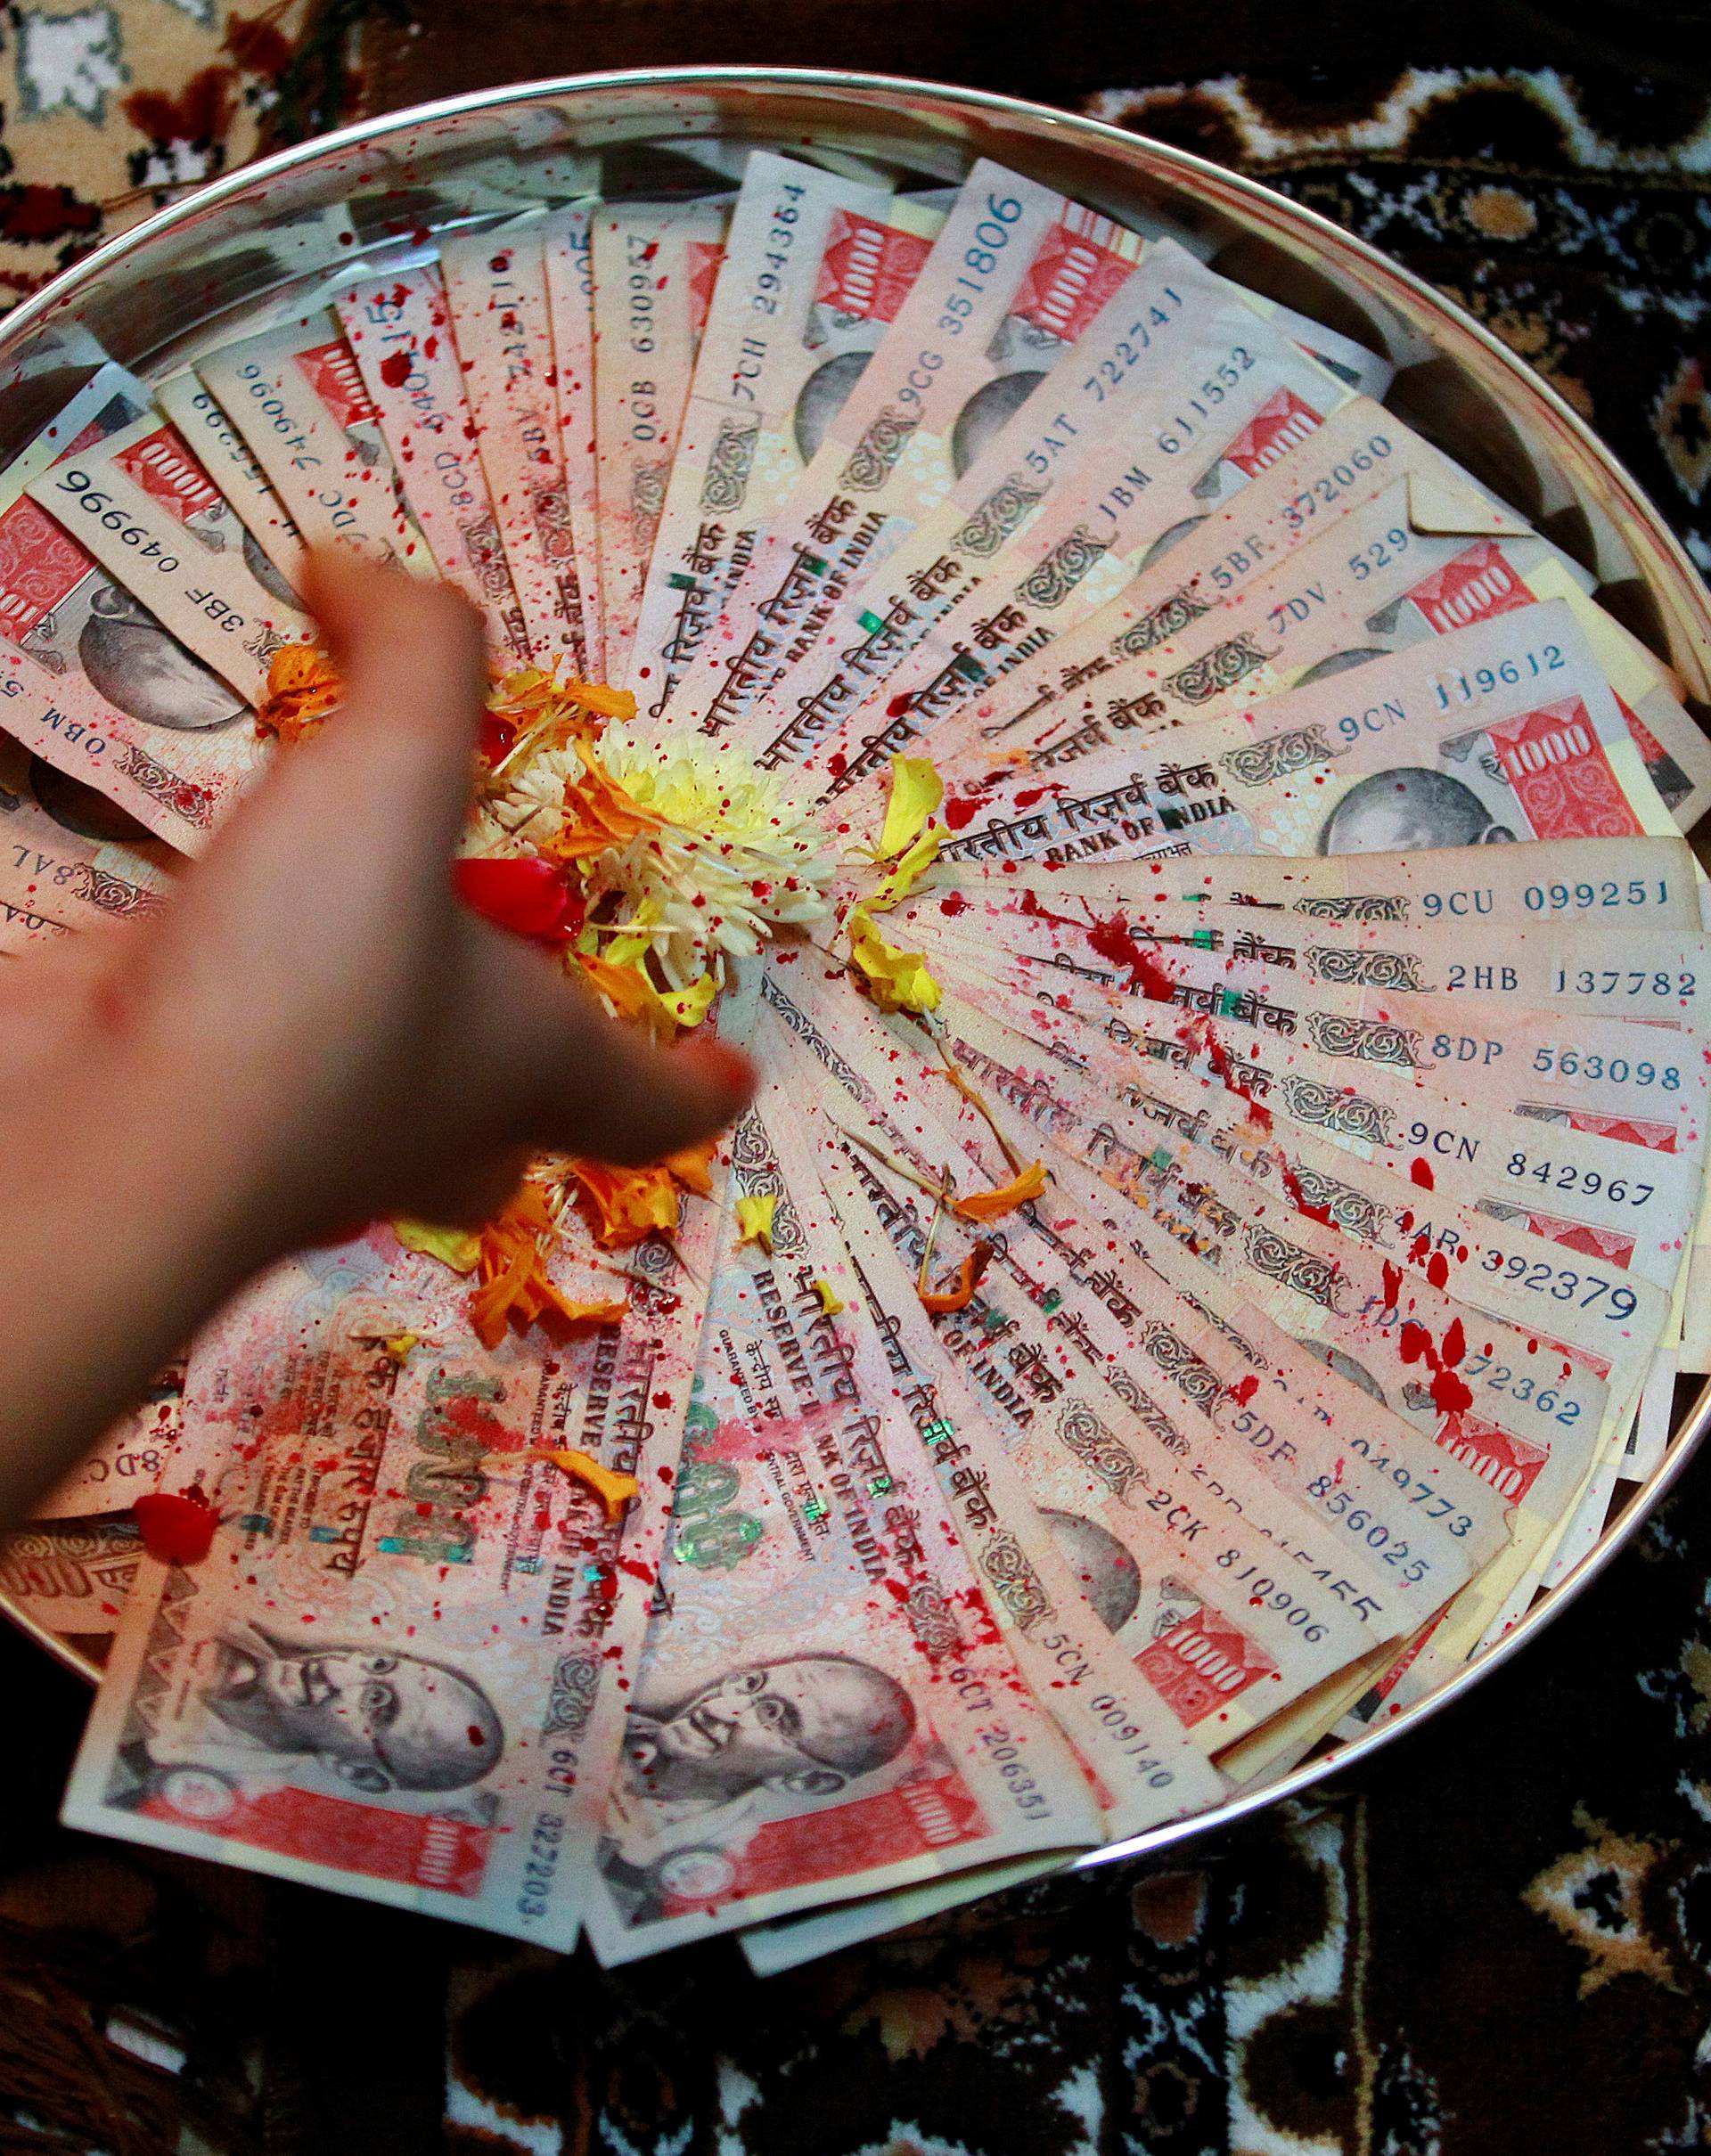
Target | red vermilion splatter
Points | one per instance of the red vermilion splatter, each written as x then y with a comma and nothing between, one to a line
1112,940
1299,1197
471,1418
177,1527
395,370
1421,1172
958,814
953,903
1029,906
1449,1394
1244,1388
1223,1070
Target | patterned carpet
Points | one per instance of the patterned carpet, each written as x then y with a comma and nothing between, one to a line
1497,1938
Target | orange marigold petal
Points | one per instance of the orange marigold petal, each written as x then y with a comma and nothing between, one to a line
628,1203
302,689
967,1279
614,1490
992,1204
693,1166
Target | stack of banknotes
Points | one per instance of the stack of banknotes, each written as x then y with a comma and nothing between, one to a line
1215,1233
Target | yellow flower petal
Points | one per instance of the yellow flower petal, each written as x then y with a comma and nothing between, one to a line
897,886
689,1006
396,1346
613,1490
916,791
830,1306
755,1220
897,980
452,1246
992,1204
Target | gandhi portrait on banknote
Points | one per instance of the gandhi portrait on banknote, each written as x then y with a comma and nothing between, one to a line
1403,810
809,1724
822,397
1105,1571
378,1722
703,1771
133,663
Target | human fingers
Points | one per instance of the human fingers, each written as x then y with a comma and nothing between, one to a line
573,1080
412,657
343,848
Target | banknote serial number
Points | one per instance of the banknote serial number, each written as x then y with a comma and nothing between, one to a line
1131,348
1469,684
1132,1739
1563,1284
1381,553
1522,1387
540,1866
1330,486
274,410
1585,1182
1620,1070
1003,1753
1623,981
1415,1488
1260,1590
96,503
1362,1522
990,236
1584,897
775,251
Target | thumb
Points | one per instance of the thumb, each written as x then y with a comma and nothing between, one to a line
410,654
573,1079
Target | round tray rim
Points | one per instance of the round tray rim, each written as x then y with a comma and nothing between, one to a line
1253,202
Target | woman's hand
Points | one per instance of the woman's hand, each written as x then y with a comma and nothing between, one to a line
312,1032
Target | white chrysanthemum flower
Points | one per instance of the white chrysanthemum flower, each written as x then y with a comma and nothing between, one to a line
732,860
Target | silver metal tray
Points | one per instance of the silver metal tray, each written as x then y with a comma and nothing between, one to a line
258,245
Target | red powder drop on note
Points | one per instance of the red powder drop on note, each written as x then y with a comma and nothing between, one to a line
395,370
1421,1172
177,1529
1112,940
